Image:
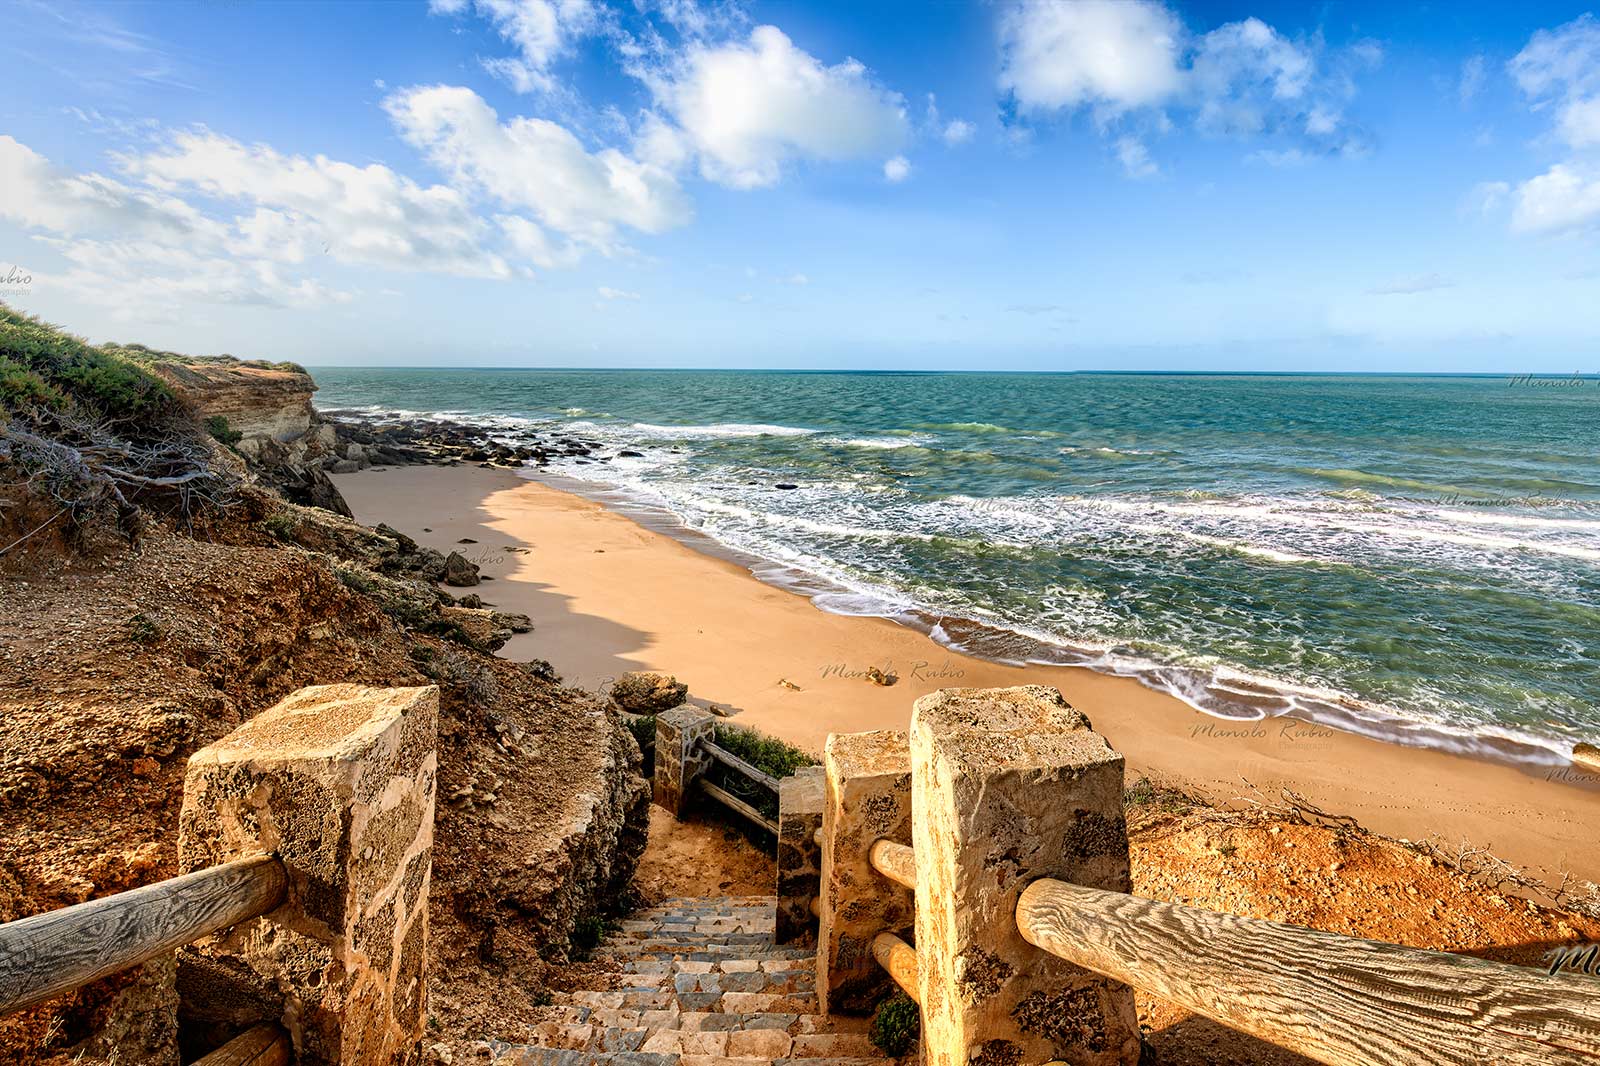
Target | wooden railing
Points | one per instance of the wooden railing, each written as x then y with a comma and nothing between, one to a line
1336,999
728,799
1008,919
48,954
265,1045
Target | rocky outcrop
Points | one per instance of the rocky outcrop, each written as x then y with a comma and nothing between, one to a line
643,692
257,399
459,570
264,412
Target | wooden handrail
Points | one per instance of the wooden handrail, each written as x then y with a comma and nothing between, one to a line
47,954
733,762
728,799
897,862
900,959
264,1045
1337,999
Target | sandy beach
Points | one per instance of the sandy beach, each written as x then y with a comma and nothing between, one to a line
608,595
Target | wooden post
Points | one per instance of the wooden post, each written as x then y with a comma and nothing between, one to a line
868,796
1337,999
338,782
1011,785
799,866
680,755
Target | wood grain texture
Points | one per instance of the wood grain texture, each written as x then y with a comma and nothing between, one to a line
897,862
728,799
1337,999
733,762
264,1045
900,959
48,954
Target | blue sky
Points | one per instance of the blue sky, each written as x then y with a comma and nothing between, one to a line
1095,185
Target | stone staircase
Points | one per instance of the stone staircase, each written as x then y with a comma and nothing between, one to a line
702,985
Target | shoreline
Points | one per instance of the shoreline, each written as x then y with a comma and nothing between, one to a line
608,593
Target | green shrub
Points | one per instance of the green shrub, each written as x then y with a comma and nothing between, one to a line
218,427
761,751
142,629
43,366
643,728
284,526
588,934
896,1025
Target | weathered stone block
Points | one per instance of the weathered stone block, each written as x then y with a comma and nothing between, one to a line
799,866
1012,785
868,796
679,755
338,781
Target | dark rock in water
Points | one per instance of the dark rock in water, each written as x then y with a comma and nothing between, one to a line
644,692
542,669
787,485
466,540
629,453
471,599
459,570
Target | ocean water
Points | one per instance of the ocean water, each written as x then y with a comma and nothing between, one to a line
1416,558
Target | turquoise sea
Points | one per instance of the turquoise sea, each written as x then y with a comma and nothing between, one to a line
1416,558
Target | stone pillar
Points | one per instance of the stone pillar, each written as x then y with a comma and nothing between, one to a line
679,758
868,796
799,866
338,781
1012,785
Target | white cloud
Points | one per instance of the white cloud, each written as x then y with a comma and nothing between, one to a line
958,131
144,252
1580,122
1473,70
302,206
1411,285
1135,158
1565,197
750,108
608,293
541,30
540,166
1561,68
1134,62
798,279
1117,53
897,169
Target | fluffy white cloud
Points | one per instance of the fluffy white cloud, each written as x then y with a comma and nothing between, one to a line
541,31
144,252
1565,197
897,169
958,131
1115,53
1246,73
1559,69
538,165
1133,60
1135,158
747,109
608,293
368,215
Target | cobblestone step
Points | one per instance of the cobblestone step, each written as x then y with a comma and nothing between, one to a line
703,984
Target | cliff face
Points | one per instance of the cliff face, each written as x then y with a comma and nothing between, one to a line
257,401
269,406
